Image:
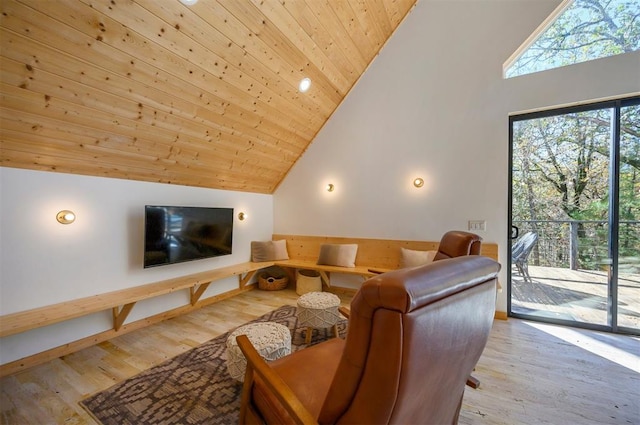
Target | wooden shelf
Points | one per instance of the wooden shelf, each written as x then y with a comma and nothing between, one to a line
122,301
325,271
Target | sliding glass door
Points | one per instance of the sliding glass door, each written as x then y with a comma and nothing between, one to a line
627,273
575,211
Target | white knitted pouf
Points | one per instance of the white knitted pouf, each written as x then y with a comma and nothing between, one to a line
271,340
318,310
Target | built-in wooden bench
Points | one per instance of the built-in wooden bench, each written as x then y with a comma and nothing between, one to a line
373,255
123,300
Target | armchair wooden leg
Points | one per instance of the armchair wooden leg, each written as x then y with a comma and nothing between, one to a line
473,382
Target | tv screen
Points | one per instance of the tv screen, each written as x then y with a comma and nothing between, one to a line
177,234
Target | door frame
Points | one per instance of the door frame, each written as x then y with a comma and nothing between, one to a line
613,216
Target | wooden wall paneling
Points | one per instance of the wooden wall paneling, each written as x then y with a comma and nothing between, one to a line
33,125
395,11
45,129
172,41
381,18
234,51
222,179
349,20
121,168
4,38
312,26
285,170
368,23
286,66
379,253
213,116
167,79
131,42
203,95
270,35
340,46
71,161
60,110
283,21
129,109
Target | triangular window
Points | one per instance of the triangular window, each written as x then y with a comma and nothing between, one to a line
579,31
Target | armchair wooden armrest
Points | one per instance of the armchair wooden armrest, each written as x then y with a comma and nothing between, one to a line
344,311
257,365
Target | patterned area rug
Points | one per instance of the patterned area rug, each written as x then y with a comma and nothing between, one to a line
192,388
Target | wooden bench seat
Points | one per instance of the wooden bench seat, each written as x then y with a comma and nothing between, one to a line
373,255
325,271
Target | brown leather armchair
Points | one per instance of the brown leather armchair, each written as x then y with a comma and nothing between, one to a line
414,336
456,243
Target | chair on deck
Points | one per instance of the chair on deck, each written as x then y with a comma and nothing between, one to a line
415,335
520,254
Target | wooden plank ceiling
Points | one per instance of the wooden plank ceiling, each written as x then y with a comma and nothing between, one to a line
154,90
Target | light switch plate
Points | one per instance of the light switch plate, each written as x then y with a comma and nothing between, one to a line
476,225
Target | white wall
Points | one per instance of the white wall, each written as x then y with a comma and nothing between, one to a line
43,262
434,104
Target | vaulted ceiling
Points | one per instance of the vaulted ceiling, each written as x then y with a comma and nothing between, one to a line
154,90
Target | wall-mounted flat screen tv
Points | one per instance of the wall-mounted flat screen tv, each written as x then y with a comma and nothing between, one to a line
174,234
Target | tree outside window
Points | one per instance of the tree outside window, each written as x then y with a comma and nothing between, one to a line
584,30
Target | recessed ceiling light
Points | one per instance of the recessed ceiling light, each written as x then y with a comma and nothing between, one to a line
304,85
189,2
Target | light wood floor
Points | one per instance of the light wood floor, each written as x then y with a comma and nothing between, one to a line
529,374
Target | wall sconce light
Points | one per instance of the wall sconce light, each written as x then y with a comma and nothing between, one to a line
242,216
330,187
66,217
418,182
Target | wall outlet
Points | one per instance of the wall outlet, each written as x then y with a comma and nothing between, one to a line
475,225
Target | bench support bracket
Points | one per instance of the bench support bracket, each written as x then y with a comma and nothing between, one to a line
120,315
196,292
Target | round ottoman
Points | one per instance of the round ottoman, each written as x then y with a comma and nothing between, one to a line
308,281
318,310
270,339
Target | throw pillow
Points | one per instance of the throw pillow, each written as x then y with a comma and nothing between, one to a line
341,255
413,258
269,250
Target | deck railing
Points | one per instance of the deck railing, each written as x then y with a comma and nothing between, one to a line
580,244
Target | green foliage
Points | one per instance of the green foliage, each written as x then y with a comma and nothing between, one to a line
561,167
586,30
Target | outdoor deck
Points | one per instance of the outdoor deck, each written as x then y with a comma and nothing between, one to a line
577,295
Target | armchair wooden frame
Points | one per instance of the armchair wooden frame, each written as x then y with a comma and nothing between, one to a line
257,366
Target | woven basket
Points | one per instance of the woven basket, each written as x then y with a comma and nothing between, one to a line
308,281
271,283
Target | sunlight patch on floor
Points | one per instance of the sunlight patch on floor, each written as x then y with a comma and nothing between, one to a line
623,358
